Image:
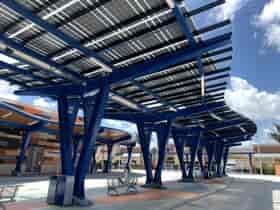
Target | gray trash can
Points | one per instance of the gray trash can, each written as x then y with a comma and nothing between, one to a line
61,190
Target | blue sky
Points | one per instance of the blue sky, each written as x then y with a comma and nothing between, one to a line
254,86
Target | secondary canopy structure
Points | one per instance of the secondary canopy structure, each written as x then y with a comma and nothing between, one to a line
150,62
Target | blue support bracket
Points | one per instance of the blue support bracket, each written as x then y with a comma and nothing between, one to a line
210,154
92,122
67,114
108,164
225,159
24,145
145,140
180,144
163,135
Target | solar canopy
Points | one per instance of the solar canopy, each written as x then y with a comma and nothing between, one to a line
161,63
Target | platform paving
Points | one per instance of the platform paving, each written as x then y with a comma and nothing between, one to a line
226,193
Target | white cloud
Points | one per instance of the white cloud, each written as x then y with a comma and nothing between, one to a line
42,102
248,100
7,90
229,9
269,21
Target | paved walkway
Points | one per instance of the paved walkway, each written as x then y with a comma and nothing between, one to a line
242,192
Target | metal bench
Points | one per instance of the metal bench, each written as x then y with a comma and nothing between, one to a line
120,185
7,194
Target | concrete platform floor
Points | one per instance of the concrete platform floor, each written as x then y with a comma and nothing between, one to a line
241,192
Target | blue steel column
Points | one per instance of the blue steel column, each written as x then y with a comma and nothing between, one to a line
180,144
92,126
67,116
26,136
218,157
76,148
200,159
251,163
193,151
225,158
129,154
144,140
93,164
108,165
163,136
210,153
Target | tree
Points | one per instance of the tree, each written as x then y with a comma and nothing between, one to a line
276,133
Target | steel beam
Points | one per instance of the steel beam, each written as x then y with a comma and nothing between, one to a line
225,159
92,122
163,135
180,144
26,136
133,71
67,115
145,140
108,164
194,143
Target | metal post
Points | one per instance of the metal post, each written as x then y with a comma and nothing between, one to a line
108,165
193,152
218,157
210,152
129,154
225,159
77,144
92,122
251,162
144,140
200,160
179,144
163,135
93,164
26,136
67,115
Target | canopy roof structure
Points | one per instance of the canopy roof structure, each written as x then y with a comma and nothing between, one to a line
158,65
22,117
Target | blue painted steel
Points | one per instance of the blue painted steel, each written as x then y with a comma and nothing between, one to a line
24,72
200,159
16,46
180,144
108,163
225,159
168,115
76,147
145,140
129,155
184,24
67,116
23,11
93,164
26,136
194,143
92,126
133,71
163,136
219,148
210,153
110,141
